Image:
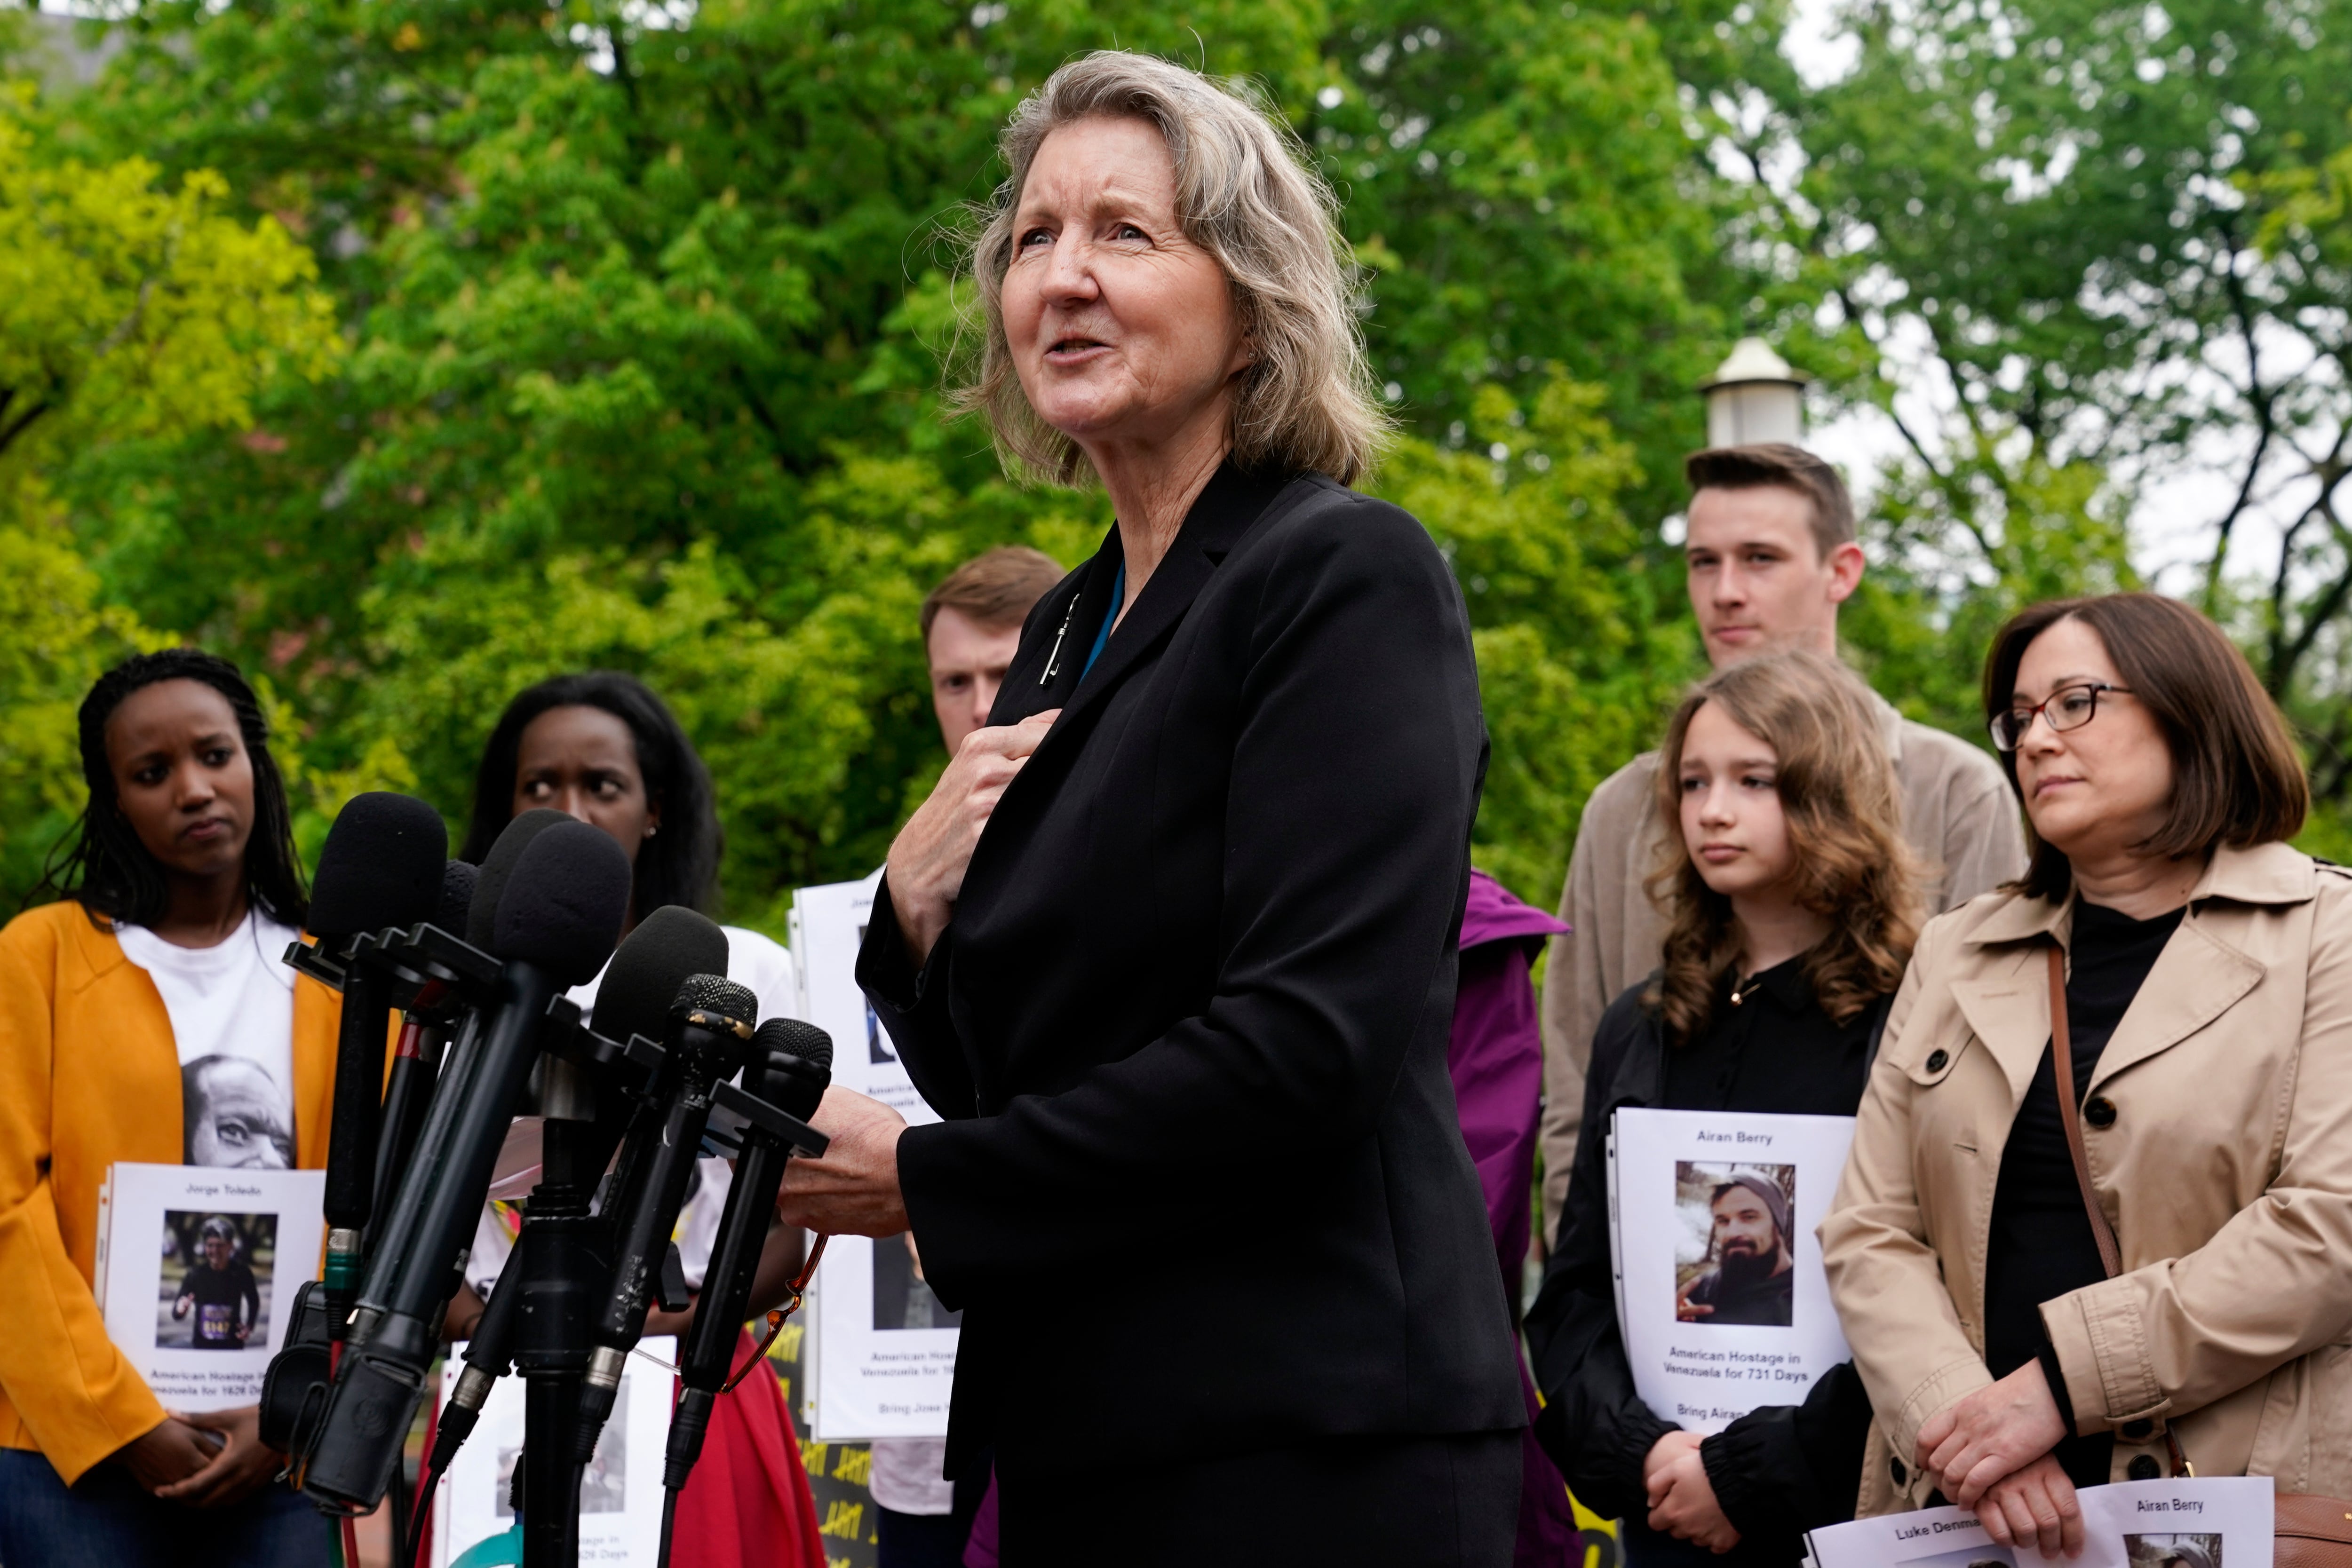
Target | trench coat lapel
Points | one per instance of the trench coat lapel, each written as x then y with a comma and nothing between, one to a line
2008,1011
2197,978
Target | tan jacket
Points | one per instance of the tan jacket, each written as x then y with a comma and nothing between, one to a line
1958,813
2226,1171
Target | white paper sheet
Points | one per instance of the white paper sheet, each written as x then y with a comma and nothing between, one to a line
1688,1223
177,1303
621,1498
882,1359
2221,1522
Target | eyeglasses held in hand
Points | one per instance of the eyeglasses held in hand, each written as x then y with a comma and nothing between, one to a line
2068,707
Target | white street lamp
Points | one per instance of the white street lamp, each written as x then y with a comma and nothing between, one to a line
1754,397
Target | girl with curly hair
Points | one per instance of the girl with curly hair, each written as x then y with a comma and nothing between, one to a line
1792,904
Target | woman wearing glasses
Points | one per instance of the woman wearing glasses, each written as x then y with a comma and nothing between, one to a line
2197,975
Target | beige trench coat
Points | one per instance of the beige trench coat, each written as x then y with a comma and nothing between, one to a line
2226,1170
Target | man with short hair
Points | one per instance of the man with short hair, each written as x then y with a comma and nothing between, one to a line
1754,1277
971,628
219,1287
1770,554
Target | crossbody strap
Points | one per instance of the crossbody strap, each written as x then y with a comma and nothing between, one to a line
2061,1052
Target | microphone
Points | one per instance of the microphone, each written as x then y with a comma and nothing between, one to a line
668,948
424,1032
789,1066
560,907
709,1026
380,867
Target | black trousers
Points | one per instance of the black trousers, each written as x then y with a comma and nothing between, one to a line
1366,1503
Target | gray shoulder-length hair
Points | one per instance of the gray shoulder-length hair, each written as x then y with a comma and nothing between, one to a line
1246,195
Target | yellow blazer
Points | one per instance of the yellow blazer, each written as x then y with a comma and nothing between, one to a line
89,1075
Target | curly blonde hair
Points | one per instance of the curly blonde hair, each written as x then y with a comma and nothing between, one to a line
1844,811
1247,194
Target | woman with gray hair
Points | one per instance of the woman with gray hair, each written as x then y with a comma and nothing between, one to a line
1171,947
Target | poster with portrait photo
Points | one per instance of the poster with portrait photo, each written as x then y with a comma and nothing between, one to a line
196,1266
2184,1522
881,1348
1721,1297
620,1502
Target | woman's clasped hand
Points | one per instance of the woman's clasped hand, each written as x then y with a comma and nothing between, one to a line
1991,1452
1682,1499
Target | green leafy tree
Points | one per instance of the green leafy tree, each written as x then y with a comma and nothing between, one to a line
648,314
130,310
2049,225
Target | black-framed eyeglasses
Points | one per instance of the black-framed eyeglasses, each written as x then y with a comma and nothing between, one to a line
2068,707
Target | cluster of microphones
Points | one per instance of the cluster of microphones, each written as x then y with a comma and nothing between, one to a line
672,1063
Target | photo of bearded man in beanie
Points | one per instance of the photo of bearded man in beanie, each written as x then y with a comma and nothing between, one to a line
1752,1283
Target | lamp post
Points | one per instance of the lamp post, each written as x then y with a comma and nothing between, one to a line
1754,397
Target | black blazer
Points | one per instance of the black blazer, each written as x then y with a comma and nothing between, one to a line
1201,1185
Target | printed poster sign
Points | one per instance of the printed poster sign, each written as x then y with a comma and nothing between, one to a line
882,1347
2221,1522
620,1496
1720,1293
197,1269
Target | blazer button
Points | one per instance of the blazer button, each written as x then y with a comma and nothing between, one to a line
2138,1431
2100,1112
2143,1467
1936,1060
1894,1468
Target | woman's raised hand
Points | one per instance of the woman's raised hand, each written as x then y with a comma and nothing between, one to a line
929,857
1993,1433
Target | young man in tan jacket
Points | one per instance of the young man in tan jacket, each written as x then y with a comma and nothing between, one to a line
1770,554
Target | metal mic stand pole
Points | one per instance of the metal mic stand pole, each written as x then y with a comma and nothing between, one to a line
562,1266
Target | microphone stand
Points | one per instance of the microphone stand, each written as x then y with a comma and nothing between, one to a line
541,1317
563,1265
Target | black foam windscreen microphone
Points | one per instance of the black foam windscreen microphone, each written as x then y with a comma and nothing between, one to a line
708,1030
459,880
668,945
497,867
789,1066
416,1066
564,903
380,867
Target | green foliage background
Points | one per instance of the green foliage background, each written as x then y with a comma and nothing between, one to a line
514,337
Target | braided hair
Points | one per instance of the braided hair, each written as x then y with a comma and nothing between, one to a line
100,863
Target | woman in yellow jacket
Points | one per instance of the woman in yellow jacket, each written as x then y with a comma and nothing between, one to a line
145,1016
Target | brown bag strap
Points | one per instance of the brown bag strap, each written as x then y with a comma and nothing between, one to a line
2062,1053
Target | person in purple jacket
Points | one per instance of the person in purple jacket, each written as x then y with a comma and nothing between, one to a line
1495,1059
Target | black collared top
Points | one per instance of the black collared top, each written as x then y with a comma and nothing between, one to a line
1777,1471
1200,1185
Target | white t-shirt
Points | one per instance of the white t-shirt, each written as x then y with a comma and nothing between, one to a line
231,1011
765,966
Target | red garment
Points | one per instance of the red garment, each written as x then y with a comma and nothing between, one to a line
748,1505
